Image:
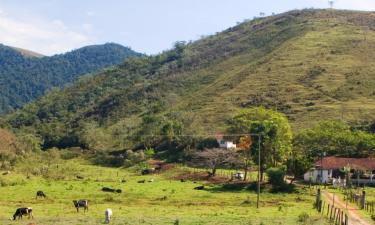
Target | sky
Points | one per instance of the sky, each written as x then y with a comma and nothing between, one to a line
147,26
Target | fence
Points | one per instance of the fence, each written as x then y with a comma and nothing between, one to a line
359,199
335,215
228,173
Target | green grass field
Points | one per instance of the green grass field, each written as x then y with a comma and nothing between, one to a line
164,201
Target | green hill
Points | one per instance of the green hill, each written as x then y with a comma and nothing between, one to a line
25,75
311,65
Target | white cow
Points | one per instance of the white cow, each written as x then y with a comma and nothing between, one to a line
108,215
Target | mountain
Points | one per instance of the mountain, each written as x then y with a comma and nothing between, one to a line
312,65
27,53
25,75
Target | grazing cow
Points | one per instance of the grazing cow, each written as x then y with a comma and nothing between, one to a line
107,189
108,215
81,204
141,181
182,180
40,194
148,171
79,177
151,180
6,173
23,211
199,188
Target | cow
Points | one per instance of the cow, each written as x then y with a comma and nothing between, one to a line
81,204
108,215
148,171
199,188
40,194
23,211
141,181
107,189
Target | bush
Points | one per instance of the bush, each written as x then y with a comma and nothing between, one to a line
276,176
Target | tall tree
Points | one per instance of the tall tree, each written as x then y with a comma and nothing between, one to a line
274,131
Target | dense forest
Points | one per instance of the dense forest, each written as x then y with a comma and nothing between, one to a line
25,76
310,65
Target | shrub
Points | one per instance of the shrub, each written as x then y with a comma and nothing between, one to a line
276,176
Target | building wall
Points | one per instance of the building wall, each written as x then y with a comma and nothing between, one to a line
314,175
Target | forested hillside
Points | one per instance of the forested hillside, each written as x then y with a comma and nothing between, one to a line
311,65
25,75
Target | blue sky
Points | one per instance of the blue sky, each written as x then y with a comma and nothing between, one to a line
148,26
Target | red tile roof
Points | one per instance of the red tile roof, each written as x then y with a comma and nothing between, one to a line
333,162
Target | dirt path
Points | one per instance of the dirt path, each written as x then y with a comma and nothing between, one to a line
354,217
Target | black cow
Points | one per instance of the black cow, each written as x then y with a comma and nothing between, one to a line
148,171
40,194
141,181
107,189
23,211
199,188
81,204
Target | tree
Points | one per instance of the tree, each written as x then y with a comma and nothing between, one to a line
244,153
334,138
274,131
214,158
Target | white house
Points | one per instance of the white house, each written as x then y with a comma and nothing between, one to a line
224,144
328,168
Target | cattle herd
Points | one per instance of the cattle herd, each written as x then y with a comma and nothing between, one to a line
82,203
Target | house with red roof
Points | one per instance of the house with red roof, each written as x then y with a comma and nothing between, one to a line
362,170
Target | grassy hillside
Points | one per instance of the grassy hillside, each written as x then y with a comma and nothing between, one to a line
311,65
25,75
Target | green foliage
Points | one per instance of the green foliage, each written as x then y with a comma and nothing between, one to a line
23,78
276,176
196,87
333,138
273,129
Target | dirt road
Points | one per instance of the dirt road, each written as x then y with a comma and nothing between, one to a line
354,217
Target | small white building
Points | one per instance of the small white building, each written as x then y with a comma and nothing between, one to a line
224,143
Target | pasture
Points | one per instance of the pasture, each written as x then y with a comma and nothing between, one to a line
164,201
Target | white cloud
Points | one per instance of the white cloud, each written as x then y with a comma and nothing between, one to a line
46,37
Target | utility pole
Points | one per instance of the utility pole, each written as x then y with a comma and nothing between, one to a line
258,189
331,3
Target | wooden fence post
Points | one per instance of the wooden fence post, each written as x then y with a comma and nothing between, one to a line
363,200
317,201
346,219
